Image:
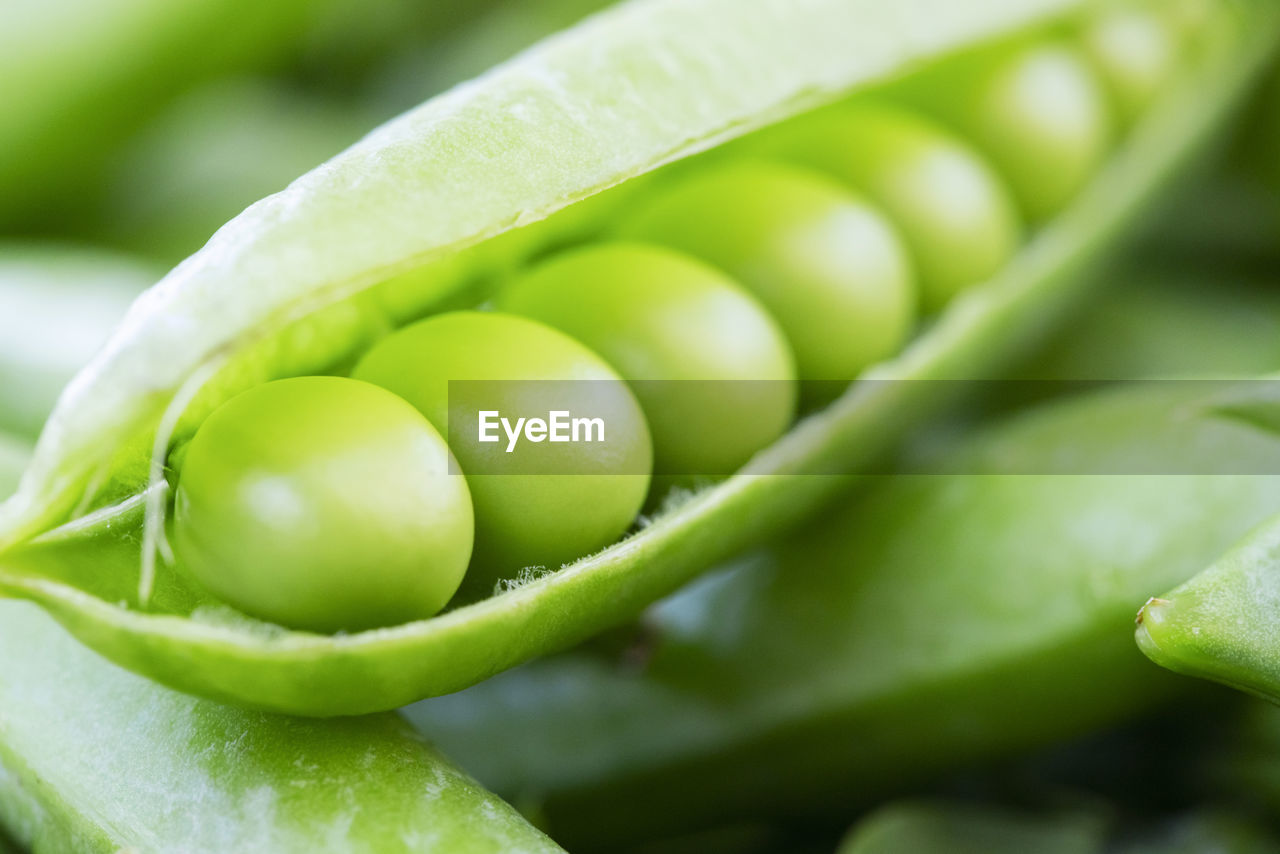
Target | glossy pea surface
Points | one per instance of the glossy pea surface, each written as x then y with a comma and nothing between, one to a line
323,503
1038,111
715,375
954,212
542,518
829,268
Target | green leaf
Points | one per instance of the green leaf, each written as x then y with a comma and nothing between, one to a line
289,288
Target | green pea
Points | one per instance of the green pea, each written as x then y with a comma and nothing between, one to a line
323,503
953,211
659,316
531,519
828,267
1037,110
1135,51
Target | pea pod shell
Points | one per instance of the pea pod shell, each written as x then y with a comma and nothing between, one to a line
278,291
1222,624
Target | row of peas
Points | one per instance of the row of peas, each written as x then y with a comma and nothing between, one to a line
807,252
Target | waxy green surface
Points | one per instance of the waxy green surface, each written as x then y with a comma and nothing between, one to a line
277,293
1222,624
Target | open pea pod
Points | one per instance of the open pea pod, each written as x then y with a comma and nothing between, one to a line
82,75
292,286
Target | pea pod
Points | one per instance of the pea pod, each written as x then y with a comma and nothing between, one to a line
940,620
1221,624
292,287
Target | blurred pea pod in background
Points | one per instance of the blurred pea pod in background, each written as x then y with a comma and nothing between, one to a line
983,605
228,143
58,304
1156,321
83,77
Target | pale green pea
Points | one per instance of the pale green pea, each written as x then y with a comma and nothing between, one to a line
1037,110
828,267
954,213
716,378
323,503
1134,50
